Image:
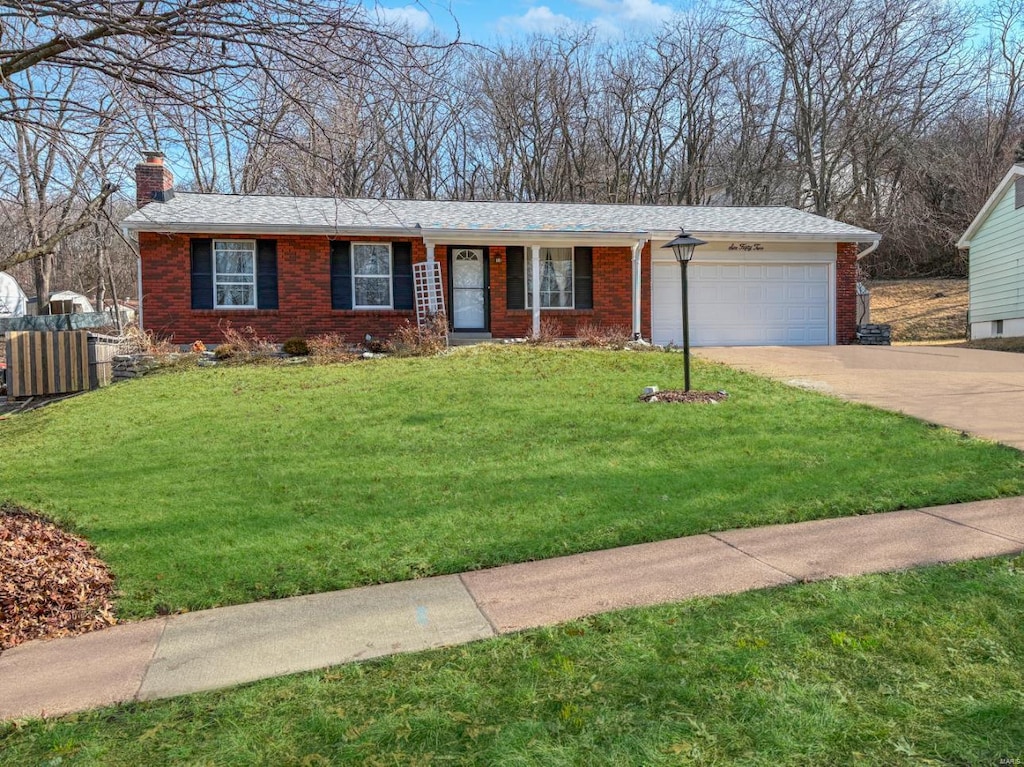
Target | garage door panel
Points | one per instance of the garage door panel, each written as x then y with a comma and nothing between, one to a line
729,293
744,304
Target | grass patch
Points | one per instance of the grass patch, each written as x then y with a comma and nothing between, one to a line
217,486
923,667
1015,344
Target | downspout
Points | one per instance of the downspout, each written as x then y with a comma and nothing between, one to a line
638,248
869,250
138,276
138,287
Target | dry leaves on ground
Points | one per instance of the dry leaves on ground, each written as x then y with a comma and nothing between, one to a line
51,582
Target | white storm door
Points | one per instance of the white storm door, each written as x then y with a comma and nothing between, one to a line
469,303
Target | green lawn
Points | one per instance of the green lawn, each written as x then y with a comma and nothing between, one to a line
917,668
226,485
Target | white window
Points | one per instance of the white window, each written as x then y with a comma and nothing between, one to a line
371,275
234,274
555,279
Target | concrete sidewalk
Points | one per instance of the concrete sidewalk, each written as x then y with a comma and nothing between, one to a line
227,646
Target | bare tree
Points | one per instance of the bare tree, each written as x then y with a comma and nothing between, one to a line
198,61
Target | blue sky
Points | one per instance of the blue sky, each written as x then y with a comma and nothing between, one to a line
484,21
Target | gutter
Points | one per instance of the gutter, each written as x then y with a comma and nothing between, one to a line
470,235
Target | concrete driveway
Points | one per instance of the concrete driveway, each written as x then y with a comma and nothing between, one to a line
979,392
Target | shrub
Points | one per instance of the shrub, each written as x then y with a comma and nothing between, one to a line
592,335
134,340
330,347
420,340
550,331
246,344
225,351
295,346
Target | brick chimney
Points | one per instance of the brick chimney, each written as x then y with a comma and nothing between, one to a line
153,180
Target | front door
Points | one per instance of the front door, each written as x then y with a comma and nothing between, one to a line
469,289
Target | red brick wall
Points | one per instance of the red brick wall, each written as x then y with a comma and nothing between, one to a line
303,290
846,292
304,294
645,292
612,298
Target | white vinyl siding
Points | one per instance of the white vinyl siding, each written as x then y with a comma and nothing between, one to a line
997,264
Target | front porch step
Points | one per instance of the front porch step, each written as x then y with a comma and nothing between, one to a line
467,339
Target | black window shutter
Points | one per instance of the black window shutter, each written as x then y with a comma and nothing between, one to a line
401,278
202,274
515,277
266,274
583,277
341,275
1018,194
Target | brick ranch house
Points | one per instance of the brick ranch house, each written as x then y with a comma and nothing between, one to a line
302,266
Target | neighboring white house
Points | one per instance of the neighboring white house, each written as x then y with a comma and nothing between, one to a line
64,302
995,240
13,301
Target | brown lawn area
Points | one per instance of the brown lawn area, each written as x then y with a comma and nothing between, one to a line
921,310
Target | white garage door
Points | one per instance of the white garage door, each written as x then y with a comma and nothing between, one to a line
743,304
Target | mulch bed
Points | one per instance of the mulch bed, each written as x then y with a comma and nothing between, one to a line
677,395
51,582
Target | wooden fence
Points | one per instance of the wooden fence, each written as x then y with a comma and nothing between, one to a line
57,362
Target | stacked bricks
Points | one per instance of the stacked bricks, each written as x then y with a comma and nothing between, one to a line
874,335
846,292
151,176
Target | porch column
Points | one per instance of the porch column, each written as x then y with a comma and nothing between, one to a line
535,288
430,251
638,248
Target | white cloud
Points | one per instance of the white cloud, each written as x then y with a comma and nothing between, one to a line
408,16
644,12
540,19
617,16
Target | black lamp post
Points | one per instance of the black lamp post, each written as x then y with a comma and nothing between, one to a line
682,246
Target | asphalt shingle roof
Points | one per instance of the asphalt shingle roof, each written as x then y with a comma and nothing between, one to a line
218,212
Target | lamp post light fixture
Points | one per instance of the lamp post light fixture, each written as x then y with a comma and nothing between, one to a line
682,246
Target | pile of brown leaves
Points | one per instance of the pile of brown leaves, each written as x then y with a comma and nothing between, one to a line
677,395
51,582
